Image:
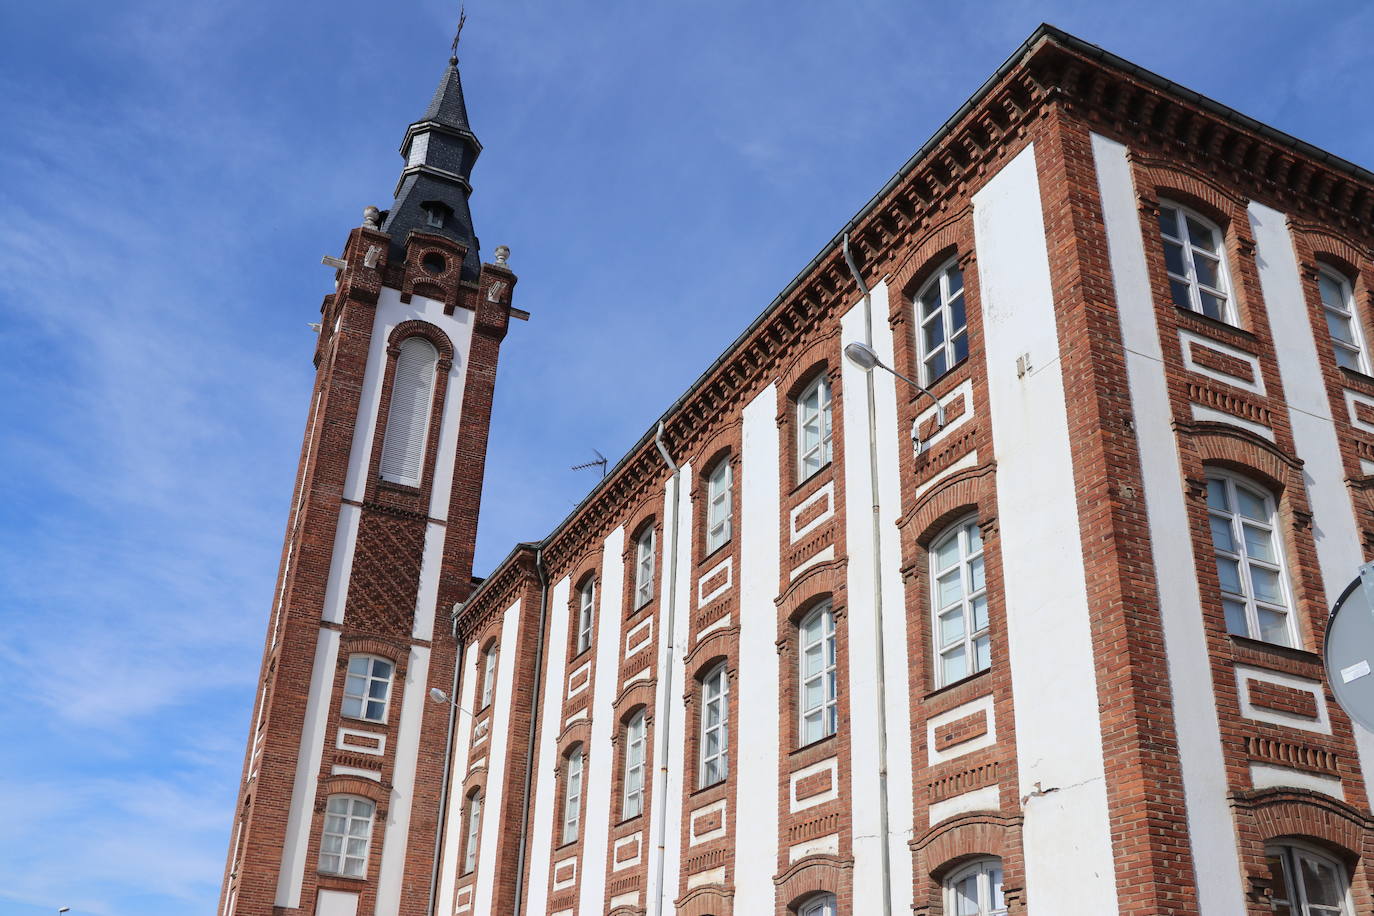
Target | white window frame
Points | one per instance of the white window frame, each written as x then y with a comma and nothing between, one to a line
1291,854
474,832
1239,554
819,905
586,615
813,411
1189,251
407,431
715,697
967,560
573,765
488,676
645,557
987,874
943,313
367,679
347,817
1346,311
719,506
820,720
636,743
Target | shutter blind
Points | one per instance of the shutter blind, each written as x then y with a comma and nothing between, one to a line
407,422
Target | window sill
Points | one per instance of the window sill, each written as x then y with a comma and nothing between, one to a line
380,724
954,376
815,481
626,821
1358,379
1204,323
333,876
399,487
1272,655
719,551
715,788
954,686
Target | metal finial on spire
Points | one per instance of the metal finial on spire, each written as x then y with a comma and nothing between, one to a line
462,18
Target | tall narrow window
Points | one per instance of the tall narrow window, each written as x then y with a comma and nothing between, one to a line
943,333
976,890
1338,305
1254,589
586,604
347,834
1305,883
959,603
816,653
367,688
644,567
474,829
572,796
819,905
715,726
407,422
635,742
488,676
718,506
1193,256
813,427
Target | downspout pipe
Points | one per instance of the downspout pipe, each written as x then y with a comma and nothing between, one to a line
665,715
458,649
521,856
880,656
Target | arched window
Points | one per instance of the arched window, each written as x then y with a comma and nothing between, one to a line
407,422
959,603
1249,557
367,688
572,795
813,427
715,726
819,905
1338,305
976,890
718,506
488,676
943,334
347,835
816,655
1304,882
635,746
1197,268
586,606
474,829
644,567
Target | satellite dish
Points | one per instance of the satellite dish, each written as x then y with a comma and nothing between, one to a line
1349,649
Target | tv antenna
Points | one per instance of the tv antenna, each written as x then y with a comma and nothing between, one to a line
600,462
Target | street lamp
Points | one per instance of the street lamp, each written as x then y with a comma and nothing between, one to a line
866,358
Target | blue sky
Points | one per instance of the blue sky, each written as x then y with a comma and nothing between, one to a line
171,173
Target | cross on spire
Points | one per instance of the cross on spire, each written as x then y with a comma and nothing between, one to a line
462,18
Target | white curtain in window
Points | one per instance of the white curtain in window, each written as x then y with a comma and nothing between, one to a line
407,422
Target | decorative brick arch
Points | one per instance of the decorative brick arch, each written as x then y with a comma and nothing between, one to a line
1175,181
1265,815
824,580
579,732
708,900
954,842
396,653
814,874
370,789
430,332
717,647
1226,446
1335,250
938,244
958,494
639,695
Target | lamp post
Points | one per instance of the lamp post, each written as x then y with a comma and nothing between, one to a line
866,358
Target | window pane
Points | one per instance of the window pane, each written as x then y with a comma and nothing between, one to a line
982,653
380,668
946,554
935,365
1321,881
957,319
375,710
1208,271
1333,292
378,690
953,665
332,842
1179,291
1339,326
1173,259
1221,534
1201,236
1213,306
1216,495
930,302
1168,221
1273,626
934,331
1235,618
358,665
812,659
1350,359
1228,571
976,574
960,344
1250,505
1259,544
956,281
355,685
951,626
353,706
950,588
980,613
975,537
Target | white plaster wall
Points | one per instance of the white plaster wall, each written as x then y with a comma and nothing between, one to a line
458,768
390,312
1314,432
298,818
397,830
756,748
1067,835
669,715
341,564
546,760
494,794
427,596
1211,833
600,766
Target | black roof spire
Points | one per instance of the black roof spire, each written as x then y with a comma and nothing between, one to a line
439,150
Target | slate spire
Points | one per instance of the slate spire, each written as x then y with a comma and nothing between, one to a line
433,190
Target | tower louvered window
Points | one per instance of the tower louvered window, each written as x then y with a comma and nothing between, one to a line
407,422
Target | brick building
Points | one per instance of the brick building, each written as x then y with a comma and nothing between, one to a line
817,645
